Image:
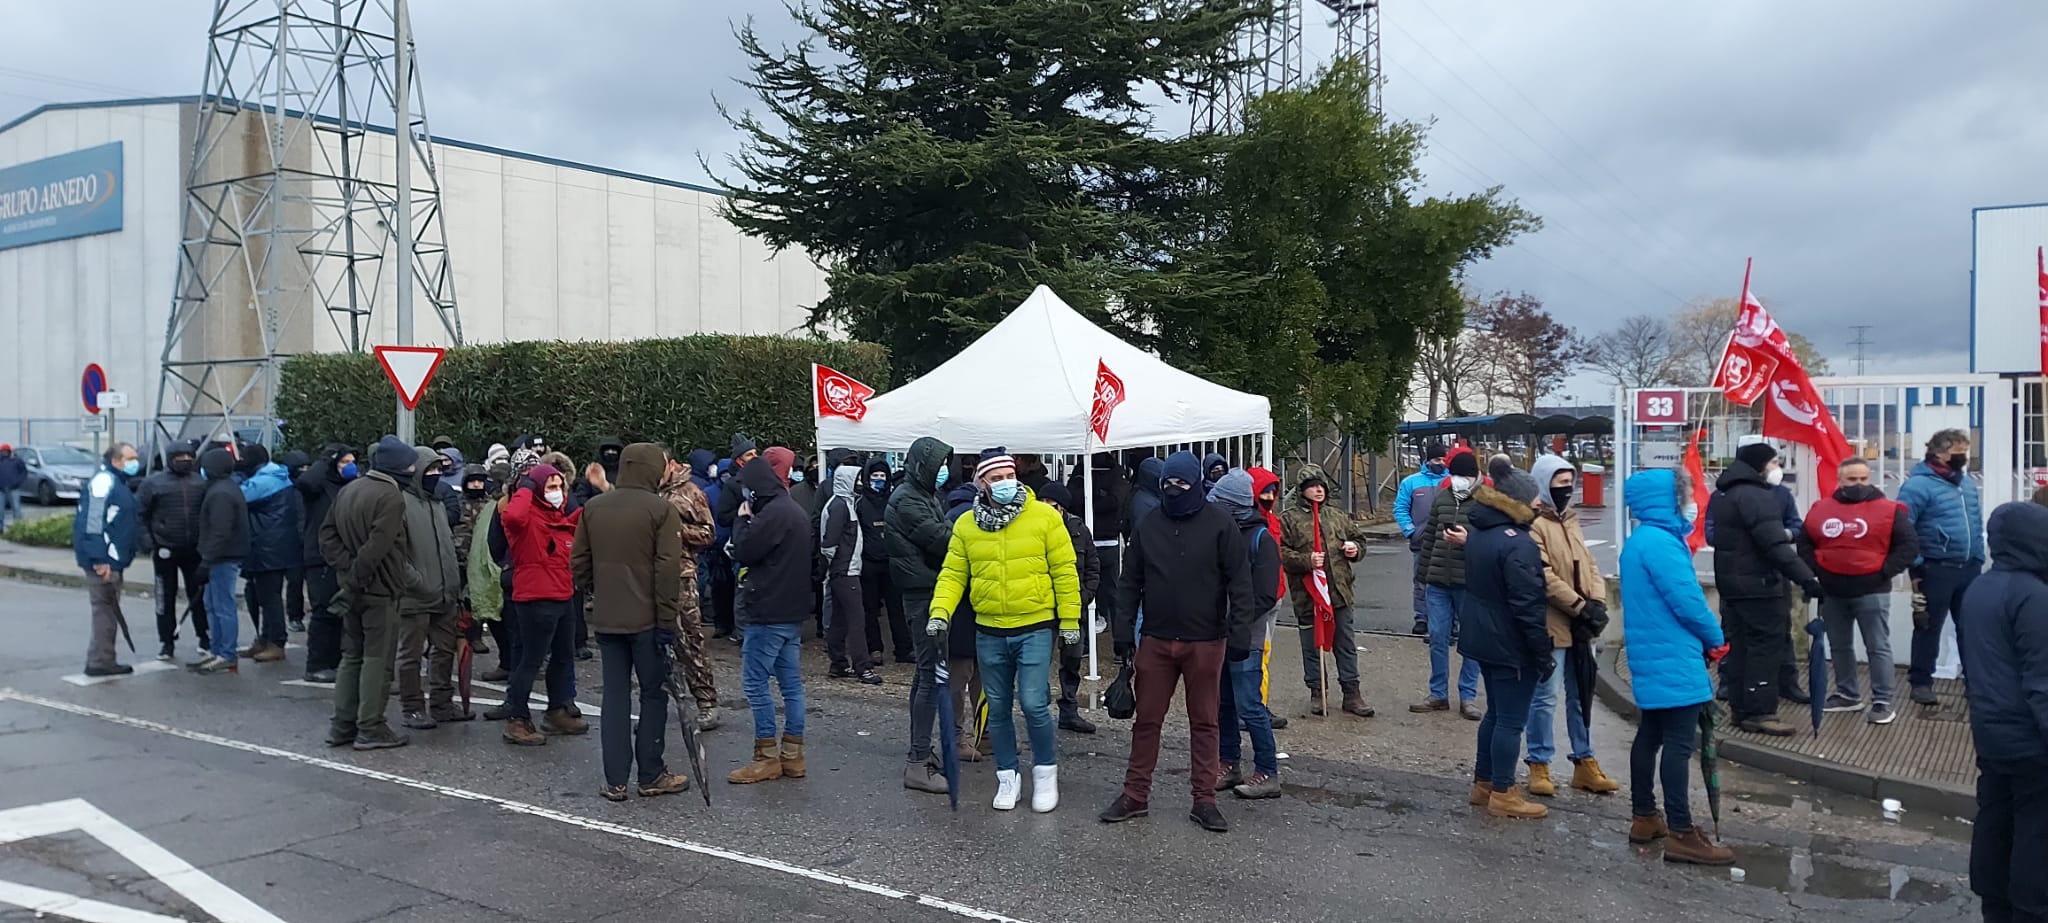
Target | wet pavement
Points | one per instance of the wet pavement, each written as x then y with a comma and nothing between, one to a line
226,776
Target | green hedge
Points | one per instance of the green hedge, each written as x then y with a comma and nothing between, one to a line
690,393
42,531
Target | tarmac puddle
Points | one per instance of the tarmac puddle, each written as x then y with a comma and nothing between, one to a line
1798,871
1346,799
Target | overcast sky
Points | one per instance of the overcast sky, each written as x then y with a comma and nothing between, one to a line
1841,144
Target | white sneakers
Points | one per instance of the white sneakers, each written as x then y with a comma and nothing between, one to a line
1045,788
1008,786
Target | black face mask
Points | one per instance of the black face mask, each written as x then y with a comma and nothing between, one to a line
1560,498
181,466
473,493
430,483
1958,461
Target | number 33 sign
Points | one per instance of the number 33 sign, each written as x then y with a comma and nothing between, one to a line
1661,407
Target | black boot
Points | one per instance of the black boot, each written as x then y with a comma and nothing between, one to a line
1071,720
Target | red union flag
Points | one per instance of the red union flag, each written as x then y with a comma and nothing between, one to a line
839,394
1760,361
2041,267
1109,392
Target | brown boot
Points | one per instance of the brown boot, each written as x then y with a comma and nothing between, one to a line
1587,777
1693,846
1539,781
966,750
563,722
1354,703
1511,804
270,653
1644,828
1482,792
766,765
520,732
792,756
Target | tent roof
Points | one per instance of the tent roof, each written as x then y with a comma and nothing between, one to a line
1028,385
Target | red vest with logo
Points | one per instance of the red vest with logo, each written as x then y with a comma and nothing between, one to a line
1851,539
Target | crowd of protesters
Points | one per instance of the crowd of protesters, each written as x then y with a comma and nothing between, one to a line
983,570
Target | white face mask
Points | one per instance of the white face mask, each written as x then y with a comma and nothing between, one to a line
554,497
1690,511
1461,485
1774,477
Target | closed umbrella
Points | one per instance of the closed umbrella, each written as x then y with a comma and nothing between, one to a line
1584,671
1318,586
686,715
949,758
1710,765
1816,663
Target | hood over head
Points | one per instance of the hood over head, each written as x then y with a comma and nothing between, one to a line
760,477
1261,480
539,475
1150,471
780,460
294,460
265,482
1652,498
610,450
424,457
701,462
927,455
477,473
393,457
332,451
454,456
1182,466
217,464
642,465
1211,462
249,457
2017,535
846,481
1057,494
1547,467
1234,493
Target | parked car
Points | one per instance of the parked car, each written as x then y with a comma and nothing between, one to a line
56,472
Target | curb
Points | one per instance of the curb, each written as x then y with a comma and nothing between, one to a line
1863,783
66,580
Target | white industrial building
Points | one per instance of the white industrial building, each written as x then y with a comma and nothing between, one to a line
91,199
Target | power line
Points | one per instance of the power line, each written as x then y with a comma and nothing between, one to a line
1860,342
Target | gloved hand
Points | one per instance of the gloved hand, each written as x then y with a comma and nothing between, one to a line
1070,637
1124,650
1545,670
1919,605
1812,590
1715,654
1594,614
935,628
664,639
1237,654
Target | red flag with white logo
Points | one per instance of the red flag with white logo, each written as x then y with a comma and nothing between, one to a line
1698,471
1759,362
2041,267
839,394
1109,392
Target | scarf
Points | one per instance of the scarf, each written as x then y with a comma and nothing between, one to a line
992,516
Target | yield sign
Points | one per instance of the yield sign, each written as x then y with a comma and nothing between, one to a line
410,368
202,890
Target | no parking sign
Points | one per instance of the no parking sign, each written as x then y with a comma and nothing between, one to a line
90,385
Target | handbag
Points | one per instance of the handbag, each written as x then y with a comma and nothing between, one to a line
1119,698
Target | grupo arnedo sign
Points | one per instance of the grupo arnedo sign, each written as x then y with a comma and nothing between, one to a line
56,198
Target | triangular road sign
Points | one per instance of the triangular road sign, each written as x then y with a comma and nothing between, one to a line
410,368
202,890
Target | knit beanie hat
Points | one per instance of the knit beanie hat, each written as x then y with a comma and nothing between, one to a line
1432,451
1517,485
1464,464
741,445
991,459
1756,455
392,456
1499,466
1056,493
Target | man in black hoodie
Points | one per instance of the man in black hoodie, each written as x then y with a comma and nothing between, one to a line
877,586
743,451
1755,566
917,532
598,479
771,542
1188,569
169,504
1856,542
318,485
295,463
223,542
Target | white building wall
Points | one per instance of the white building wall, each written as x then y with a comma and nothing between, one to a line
103,298
2004,294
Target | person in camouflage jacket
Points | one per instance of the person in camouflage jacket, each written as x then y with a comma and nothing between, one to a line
698,529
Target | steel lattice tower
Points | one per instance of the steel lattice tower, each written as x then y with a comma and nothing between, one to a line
290,206
1277,62
1358,36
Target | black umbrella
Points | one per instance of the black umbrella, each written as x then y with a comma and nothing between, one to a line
1710,764
686,715
1816,663
1584,671
949,759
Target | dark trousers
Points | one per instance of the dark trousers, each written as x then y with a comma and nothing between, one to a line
1161,666
1943,584
1509,690
323,620
627,658
581,611
369,637
547,637
878,588
2009,845
1663,748
1110,567
1760,633
505,634
723,588
265,590
170,565
924,684
846,636
295,594
1072,657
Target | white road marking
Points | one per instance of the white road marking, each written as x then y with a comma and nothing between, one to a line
539,700
203,890
147,666
1595,542
517,807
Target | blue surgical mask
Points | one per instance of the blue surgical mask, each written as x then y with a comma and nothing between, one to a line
131,467
348,471
1436,468
1005,491
796,477
945,474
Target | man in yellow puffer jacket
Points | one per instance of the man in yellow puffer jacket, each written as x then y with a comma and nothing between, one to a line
1013,559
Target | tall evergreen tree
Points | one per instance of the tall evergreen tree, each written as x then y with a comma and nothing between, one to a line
942,157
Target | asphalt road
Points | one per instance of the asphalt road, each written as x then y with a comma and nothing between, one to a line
172,795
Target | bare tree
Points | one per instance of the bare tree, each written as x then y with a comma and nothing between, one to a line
1530,353
1700,331
1641,353
1449,364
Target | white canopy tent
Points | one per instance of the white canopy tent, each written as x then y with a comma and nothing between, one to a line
1029,385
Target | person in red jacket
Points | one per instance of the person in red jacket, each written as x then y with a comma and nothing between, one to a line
540,531
1857,542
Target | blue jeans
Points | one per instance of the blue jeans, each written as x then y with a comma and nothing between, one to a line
1443,622
1508,691
1543,717
220,607
1241,684
10,507
1674,731
1018,669
771,650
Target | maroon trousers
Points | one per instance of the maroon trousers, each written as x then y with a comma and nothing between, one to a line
1160,666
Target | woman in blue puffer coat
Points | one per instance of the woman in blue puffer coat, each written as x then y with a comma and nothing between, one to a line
1671,636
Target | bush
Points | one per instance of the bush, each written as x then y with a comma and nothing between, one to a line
42,532
690,393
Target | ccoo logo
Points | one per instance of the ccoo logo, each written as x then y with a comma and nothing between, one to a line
1836,527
